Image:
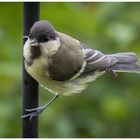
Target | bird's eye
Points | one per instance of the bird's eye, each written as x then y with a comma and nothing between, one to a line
43,39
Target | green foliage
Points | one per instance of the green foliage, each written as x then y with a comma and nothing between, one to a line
110,106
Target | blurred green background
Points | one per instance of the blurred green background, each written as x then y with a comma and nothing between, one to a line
110,107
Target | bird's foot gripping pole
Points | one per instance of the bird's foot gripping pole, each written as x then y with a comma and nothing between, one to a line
36,111
111,71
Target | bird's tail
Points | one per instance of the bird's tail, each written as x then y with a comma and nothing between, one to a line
126,62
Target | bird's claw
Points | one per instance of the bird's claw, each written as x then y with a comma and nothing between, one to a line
34,109
34,112
112,72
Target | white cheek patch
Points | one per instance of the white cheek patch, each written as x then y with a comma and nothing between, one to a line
26,50
51,47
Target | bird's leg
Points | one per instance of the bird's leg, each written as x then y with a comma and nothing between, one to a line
110,71
38,110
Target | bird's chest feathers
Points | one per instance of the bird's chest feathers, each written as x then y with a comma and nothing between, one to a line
38,69
37,65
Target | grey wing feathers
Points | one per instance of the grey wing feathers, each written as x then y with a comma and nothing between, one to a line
129,57
126,62
119,62
97,61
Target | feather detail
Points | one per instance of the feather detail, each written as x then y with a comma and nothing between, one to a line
80,71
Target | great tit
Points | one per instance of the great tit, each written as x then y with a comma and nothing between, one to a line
64,65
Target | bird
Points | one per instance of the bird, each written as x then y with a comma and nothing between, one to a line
64,66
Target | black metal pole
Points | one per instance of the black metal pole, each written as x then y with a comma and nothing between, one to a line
30,86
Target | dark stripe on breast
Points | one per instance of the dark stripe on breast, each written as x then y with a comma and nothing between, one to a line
35,53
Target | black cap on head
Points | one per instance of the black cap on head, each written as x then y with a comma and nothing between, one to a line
42,31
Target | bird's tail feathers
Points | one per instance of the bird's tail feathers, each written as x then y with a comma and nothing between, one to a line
126,62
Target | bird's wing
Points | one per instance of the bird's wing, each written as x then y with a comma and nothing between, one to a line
74,59
96,60
68,60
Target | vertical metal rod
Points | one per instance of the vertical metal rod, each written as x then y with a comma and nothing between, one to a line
30,86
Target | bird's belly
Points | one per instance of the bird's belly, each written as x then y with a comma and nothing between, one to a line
55,87
38,70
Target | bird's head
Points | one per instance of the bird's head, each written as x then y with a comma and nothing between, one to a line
41,32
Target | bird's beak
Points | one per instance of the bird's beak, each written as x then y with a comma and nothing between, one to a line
34,43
